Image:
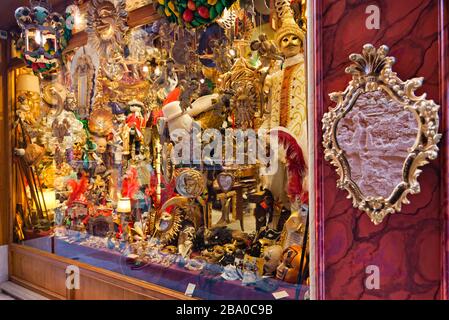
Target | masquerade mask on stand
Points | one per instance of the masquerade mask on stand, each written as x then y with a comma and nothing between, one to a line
44,36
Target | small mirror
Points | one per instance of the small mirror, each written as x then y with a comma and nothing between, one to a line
379,134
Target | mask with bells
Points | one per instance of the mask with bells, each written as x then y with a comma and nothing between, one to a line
214,255
288,270
229,254
266,237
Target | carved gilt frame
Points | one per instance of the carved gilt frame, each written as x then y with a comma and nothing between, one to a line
372,71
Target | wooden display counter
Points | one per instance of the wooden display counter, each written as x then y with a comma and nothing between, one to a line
45,273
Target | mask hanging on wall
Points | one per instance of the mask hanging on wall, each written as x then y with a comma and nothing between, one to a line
44,37
107,29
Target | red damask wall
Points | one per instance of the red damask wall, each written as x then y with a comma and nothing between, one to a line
409,247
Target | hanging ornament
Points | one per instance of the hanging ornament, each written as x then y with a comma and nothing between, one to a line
44,37
193,13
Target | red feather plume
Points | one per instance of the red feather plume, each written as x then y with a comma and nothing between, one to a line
78,189
167,191
130,184
296,164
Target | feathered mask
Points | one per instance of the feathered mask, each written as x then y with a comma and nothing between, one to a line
78,190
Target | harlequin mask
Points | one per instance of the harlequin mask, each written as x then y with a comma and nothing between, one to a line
44,36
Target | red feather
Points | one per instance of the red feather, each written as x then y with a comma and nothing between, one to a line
130,184
296,164
78,189
167,192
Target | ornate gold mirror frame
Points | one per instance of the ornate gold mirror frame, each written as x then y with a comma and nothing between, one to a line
376,89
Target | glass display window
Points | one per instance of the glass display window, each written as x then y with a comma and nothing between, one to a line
171,153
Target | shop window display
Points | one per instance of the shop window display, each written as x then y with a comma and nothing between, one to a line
174,152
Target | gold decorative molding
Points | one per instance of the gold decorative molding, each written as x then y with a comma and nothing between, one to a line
372,72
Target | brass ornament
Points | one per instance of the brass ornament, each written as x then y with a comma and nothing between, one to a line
190,183
246,93
107,30
101,122
107,25
168,225
372,75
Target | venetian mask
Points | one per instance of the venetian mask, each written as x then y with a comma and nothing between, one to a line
165,222
185,240
229,248
218,252
272,259
190,183
44,36
214,255
291,45
169,250
289,37
106,24
288,270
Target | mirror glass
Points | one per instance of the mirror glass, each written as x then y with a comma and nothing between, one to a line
376,136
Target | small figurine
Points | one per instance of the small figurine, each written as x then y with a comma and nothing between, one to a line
135,122
185,240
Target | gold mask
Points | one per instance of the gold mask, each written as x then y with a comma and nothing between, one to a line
291,45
